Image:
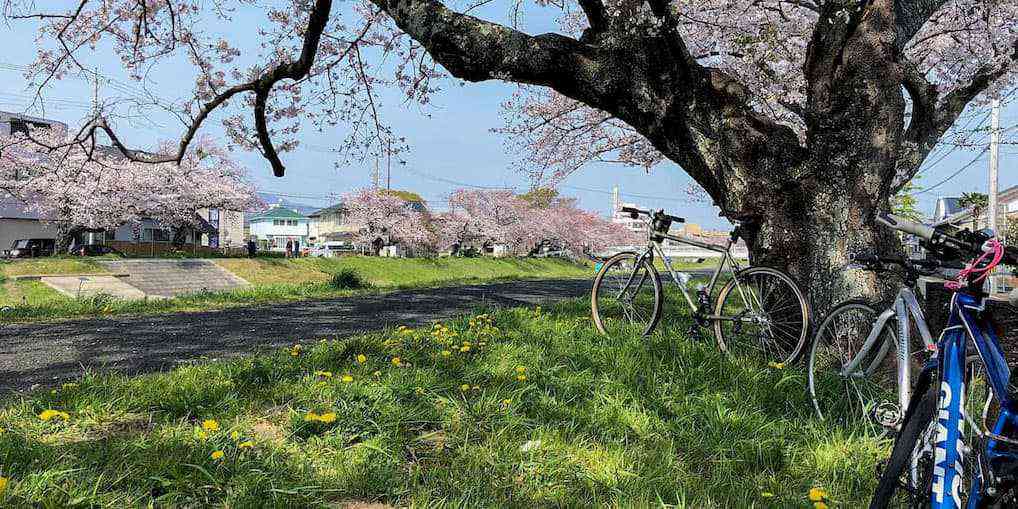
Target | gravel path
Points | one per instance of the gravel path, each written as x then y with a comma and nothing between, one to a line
44,354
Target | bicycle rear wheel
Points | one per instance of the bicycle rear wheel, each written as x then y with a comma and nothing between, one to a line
838,342
626,296
762,311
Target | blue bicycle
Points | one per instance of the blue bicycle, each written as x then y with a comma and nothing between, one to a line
936,462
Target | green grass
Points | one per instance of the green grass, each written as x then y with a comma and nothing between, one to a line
274,280
400,272
624,422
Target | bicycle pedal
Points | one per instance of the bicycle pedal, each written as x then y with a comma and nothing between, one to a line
887,415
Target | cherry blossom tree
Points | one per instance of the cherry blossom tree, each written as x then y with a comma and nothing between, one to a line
800,118
92,187
387,218
482,217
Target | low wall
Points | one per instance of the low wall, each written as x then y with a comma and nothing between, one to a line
160,249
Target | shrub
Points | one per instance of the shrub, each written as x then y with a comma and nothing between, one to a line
346,279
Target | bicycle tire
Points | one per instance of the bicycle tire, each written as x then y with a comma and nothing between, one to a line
600,316
916,424
797,332
829,332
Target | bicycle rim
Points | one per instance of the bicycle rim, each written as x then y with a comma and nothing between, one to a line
764,314
626,297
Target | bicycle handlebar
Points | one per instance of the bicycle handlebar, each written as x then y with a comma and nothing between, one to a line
970,243
901,224
660,214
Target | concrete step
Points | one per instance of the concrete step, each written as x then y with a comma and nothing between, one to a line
89,286
170,278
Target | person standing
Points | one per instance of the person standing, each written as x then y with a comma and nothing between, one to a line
296,249
289,248
251,247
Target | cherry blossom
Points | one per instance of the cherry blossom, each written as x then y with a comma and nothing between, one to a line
95,187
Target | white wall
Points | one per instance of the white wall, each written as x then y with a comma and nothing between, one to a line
14,229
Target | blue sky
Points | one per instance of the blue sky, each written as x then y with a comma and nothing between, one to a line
452,143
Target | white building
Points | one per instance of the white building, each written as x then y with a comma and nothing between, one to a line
277,225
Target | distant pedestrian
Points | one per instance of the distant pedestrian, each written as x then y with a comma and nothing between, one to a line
289,248
296,249
252,248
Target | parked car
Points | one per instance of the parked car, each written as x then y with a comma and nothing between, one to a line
96,250
332,248
32,248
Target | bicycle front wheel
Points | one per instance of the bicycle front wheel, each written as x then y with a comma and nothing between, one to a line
762,311
837,347
626,296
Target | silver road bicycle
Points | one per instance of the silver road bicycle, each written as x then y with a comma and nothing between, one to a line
759,310
872,354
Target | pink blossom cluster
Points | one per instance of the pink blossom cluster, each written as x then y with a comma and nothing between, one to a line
95,187
478,218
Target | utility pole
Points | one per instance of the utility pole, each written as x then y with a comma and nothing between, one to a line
994,183
375,176
994,163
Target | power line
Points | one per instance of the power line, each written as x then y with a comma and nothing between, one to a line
955,174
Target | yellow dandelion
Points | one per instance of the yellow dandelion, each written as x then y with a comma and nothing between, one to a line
521,369
446,353
817,494
49,415
217,455
347,378
327,417
507,402
247,444
465,348
201,434
397,362
235,435
295,351
210,425
324,374
3,484
310,417
465,387
521,378
419,390
361,358
776,365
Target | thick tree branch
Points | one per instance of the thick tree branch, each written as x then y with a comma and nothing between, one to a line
594,10
911,15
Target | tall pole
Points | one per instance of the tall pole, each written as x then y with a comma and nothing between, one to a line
994,163
994,168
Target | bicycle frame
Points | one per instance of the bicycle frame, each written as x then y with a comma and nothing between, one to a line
654,246
906,307
968,320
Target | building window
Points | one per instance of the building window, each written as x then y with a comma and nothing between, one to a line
155,235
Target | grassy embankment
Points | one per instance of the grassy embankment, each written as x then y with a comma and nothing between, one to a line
272,280
524,408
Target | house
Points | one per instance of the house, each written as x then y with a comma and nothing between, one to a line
949,211
274,227
330,224
18,221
